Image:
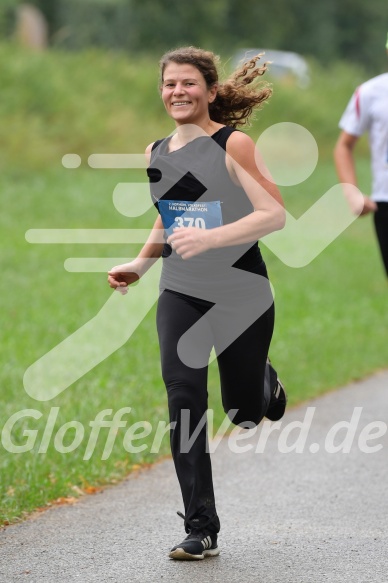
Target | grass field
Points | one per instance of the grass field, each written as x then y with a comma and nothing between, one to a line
330,329
331,317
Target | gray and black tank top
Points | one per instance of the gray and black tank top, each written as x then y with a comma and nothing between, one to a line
192,186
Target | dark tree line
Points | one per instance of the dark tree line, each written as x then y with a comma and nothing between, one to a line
326,29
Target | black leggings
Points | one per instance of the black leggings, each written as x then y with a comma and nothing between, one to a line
381,226
242,368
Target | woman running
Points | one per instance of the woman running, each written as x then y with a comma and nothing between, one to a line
214,205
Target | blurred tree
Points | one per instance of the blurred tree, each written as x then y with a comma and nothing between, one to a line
7,16
361,31
346,29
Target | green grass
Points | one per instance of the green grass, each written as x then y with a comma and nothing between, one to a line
329,330
330,315
95,101
42,305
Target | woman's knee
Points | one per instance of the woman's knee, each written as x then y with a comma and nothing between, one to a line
186,397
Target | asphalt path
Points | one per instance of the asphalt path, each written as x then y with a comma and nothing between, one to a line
309,504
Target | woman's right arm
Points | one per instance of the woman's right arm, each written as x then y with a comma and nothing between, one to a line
121,276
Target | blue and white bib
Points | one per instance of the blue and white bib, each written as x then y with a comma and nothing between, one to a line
183,213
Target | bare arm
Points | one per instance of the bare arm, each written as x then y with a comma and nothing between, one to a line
268,215
346,170
123,275
244,163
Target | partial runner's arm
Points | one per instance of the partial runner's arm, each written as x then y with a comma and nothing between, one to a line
346,170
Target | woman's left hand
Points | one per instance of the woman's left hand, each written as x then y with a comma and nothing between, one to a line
189,241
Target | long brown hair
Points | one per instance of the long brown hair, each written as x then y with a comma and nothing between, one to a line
236,98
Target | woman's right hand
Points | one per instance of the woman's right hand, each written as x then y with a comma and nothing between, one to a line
121,276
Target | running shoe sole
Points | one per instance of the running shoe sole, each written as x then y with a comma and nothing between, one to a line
181,555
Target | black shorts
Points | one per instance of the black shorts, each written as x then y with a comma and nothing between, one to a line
381,226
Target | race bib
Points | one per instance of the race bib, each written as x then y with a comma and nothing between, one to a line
204,215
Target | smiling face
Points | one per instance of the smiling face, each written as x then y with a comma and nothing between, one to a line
185,94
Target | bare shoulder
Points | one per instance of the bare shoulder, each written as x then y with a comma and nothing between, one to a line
148,151
239,145
241,150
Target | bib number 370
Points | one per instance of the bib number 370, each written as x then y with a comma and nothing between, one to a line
190,222
204,215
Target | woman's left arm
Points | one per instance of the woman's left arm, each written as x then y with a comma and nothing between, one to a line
243,162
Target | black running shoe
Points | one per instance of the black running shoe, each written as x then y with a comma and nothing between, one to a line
278,402
199,543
